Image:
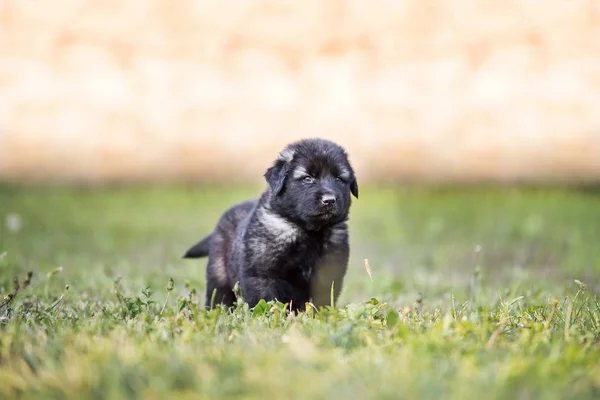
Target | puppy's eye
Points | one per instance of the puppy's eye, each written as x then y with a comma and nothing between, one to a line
338,179
308,179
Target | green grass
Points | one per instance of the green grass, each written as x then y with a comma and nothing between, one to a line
519,318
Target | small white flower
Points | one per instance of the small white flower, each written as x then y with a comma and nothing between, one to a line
13,222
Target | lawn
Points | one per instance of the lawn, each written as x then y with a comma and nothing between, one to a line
474,293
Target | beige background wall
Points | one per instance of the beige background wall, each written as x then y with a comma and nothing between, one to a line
415,89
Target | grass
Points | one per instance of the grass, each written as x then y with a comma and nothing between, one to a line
475,292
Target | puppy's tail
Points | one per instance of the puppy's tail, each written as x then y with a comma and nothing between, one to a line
200,249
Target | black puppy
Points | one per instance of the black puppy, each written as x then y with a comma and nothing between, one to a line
290,244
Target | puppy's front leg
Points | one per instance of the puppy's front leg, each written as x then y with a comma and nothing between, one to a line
256,288
329,274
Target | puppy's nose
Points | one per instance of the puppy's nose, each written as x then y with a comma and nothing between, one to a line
328,199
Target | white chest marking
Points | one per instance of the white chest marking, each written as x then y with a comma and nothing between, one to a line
283,230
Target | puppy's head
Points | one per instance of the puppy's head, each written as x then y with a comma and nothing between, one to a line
311,182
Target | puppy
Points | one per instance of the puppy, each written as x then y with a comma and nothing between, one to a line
291,243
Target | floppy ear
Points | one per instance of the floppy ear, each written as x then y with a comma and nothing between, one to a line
354,188
276,175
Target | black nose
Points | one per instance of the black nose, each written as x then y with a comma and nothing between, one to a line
328,199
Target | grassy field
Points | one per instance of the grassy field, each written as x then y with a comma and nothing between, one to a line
475,293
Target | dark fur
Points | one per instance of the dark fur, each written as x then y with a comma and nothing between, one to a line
287,245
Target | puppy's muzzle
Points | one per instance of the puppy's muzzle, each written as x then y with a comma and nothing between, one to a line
328,200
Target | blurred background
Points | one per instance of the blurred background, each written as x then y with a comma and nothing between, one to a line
105,90
128,126
203,91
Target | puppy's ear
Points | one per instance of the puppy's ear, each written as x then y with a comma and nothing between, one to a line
354,188
276,175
